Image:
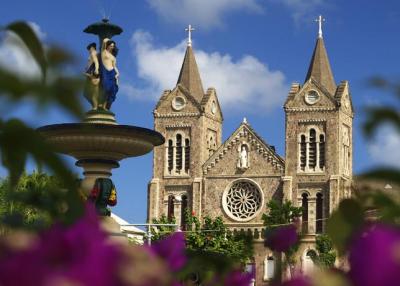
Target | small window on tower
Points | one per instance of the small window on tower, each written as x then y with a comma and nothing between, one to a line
312,97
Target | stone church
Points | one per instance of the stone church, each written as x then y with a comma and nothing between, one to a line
235,179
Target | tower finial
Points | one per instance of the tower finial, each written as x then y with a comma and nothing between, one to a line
189,29
320,20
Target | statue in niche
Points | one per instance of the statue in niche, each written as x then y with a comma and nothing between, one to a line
243,161
109,73
91,91
102,195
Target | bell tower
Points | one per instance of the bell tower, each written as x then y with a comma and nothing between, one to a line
191,122
319,122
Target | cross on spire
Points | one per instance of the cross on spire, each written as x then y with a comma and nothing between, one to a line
189,29
320,20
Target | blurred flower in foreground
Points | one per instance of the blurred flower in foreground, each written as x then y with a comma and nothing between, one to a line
375,256
298,281
281,238
238,278
76,255
172,249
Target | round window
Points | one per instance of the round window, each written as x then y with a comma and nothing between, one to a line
312,97
243,200
178,103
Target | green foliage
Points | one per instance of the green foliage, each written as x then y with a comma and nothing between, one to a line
326,255
37,201
18,141
160,232
211,237
378,116
343,222
280,213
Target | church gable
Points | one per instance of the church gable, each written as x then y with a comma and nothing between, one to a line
178,100
244,153
210,105
310,96
343,97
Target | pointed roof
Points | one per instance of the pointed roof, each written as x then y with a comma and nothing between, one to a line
320,69
189,76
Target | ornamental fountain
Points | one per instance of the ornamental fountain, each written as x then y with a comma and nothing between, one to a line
98,143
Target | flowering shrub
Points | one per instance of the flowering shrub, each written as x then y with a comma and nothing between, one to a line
82,254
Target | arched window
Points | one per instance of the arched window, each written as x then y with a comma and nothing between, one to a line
171,201
184,207
321,151
319,214
187,155
269,267
178,155
303,152
178,152
170,156
304,218
312,150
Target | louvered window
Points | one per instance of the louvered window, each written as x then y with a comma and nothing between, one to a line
312,150
178,152
303,152
187,155
321,151
170,156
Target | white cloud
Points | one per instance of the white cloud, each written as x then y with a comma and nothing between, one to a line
243,84
384,150
203,13
303,10
15,56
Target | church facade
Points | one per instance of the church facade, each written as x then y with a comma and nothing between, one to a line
236,178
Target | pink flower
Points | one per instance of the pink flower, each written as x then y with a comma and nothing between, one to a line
77,254
375,256
172,249
281,238
238,278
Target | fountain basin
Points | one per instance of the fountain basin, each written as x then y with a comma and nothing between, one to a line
99,147
101,141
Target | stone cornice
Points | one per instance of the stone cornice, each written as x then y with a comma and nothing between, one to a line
309,109
239,176
176,115
178,125
212,117
316,120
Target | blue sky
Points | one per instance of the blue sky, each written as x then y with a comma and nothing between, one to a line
249,50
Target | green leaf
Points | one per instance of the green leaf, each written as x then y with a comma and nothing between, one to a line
346,220
378,116
28,36
383,174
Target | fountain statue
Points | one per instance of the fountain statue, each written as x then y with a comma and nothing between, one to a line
99,142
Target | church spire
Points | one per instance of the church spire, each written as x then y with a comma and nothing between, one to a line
320,69
189,75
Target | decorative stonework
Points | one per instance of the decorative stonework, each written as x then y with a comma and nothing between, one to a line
252,142
242,200
310,109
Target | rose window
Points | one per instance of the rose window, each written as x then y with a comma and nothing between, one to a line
242,201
